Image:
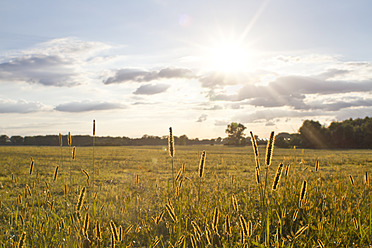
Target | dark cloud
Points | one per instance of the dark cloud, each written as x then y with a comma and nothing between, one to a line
221,123
270,114
20,107
338,105
269,124
134,75
214,79
151,89
87,106
291,91
40,69
202,118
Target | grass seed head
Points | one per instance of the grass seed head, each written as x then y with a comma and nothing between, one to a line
171,143
114,231
278,176
73,152
303,192
69,139
243,226
81,199
254,144
31,166
22,240
202,164
171,212
270,149
351,179
215,219
55,174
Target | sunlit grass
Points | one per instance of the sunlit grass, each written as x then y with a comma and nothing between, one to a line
132,188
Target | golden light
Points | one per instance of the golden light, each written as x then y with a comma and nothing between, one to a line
229,57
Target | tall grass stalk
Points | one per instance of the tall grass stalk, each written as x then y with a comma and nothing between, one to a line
171,151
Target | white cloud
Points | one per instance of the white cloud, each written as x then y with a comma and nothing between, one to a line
151,89
20,107
86,106
139,75
58,62
202,118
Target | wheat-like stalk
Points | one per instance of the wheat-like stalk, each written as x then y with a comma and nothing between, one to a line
98,231
171,213
121,234
215,219
317,165
351,179
32,163
197,230
55,174
320,243
303,192
366,178
112,241
73,152
294,217
202,164
227,225
81,199
171,149
86,224
301,231
179,174
235,203
69,139
114,231
86,174
287,169
278,176
22,240
193,241
270,149
243,226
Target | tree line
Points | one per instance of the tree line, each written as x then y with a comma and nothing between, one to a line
347,134
351,133
87,140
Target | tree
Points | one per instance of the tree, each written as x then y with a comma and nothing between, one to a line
313,135
182,140
235,134
3,139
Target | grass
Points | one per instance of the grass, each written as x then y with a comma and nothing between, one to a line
130,199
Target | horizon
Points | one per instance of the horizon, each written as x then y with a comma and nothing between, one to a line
140,67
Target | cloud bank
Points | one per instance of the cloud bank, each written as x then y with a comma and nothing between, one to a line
135,75
19,107
86,106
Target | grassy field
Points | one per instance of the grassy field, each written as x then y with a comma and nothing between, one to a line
131,198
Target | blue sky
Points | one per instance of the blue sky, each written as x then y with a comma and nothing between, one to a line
138,67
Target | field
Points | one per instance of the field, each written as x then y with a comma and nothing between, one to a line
131,198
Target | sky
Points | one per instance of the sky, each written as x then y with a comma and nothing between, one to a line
140,67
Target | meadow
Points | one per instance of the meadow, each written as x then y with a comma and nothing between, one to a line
129,197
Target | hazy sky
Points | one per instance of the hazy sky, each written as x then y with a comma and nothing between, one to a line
139,67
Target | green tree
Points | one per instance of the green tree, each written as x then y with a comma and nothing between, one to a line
313,135
235,134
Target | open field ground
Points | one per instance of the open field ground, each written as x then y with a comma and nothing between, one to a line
130,197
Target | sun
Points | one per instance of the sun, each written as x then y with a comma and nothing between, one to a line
229,56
